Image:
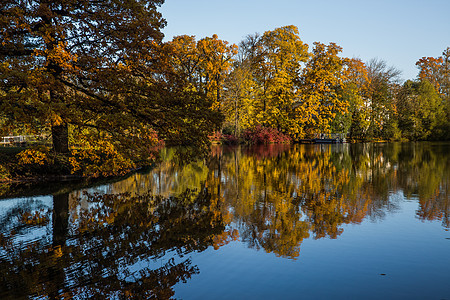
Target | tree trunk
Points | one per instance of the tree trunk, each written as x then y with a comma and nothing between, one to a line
60,137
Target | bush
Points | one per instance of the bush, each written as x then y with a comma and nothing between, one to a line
265,135
34,156
37,162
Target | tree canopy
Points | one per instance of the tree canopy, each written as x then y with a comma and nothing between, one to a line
94,73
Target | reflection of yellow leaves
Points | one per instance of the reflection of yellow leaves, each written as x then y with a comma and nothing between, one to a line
110,218
57,252
34,218
224,238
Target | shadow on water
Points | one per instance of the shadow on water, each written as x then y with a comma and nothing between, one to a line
132,238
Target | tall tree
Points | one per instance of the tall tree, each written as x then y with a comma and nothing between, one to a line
355,92
185,58
95,72
437,72
384,84
421,112
321,82
240,102
430,69
216,59
283,55
60,57
247,81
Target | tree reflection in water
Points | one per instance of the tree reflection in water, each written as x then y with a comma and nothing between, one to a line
129,242
110,248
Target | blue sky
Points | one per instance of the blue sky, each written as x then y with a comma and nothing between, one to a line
397,31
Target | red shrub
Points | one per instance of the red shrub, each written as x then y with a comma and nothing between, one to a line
265,135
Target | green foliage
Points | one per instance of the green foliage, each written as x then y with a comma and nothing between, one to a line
421,111
381,92
437,72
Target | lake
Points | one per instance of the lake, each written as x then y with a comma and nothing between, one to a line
341,221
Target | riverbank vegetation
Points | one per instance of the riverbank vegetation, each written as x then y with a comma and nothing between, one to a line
99,80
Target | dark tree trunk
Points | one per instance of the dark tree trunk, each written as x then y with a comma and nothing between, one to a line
60,137
60,218
55,272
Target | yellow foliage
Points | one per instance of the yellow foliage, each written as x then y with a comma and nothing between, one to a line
99,159
55,120
61,56
33,156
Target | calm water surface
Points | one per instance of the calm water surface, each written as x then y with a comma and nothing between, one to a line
366,221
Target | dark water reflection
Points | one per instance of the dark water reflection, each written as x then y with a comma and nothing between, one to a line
141,237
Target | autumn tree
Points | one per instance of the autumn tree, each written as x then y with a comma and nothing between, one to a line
437,72
184,57
239,104
93,73
321,81
446,74
243,89
183,74
216,57
284,53
430,69
275,60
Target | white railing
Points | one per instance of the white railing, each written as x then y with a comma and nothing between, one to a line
16,140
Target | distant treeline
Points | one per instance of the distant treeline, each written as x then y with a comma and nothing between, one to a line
274,80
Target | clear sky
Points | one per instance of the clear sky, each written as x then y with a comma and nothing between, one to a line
397,31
